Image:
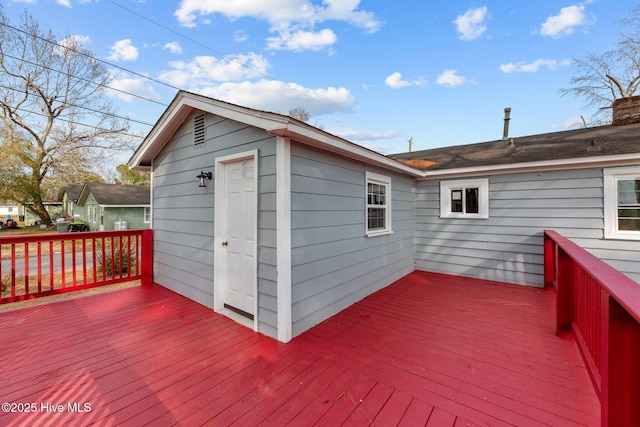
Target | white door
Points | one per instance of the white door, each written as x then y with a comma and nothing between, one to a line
238,235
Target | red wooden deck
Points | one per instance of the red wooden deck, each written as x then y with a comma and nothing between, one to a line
428,350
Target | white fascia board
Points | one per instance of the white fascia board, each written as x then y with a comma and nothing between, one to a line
325,141
180,108
573,163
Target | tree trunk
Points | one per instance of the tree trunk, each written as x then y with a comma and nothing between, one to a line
39,209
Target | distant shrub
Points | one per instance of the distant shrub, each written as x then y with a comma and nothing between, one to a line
122,262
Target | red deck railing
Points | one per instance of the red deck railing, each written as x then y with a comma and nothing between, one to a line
602,308
38,265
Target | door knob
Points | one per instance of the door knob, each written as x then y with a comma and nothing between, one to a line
225,243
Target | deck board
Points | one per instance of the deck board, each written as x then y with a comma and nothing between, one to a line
430,349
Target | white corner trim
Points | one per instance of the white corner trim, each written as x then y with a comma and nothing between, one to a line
283,237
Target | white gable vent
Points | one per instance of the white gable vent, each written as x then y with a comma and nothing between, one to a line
198,129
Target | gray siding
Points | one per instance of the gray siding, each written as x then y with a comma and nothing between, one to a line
508,246
333,263
183,213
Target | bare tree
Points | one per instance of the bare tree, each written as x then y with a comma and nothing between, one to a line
602,78
300,114
53,108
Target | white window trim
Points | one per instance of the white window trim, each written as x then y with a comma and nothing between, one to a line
386,181
482,184
147,214
611,177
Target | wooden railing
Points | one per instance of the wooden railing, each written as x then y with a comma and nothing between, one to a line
38,265
601,306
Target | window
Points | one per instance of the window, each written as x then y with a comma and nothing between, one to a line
378,204
147,214
622,203
464,198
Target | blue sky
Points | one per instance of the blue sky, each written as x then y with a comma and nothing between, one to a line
373,71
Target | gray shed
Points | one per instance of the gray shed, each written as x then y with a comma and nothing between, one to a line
269,220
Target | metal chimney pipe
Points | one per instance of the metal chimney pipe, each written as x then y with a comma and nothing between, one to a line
507,117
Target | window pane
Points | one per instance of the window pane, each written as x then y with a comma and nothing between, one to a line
471,199
456,200
376,218
376,194
629,204
628,192
629,219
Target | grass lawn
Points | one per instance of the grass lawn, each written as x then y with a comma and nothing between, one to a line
33,229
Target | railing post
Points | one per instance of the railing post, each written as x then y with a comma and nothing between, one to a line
564,292
621,379
549,260
147,257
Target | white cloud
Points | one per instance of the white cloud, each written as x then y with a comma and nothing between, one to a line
363,135
130,90
209,70
75,40
278,96
240,36
534,66
173,47
302,40
451,78
285,17
65,3
123,50
471,24
395,81
565,22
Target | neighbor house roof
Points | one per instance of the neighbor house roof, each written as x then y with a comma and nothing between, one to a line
116,194
73,192
273,123
572,148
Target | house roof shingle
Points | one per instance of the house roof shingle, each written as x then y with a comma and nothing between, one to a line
73,192
571,144
117,194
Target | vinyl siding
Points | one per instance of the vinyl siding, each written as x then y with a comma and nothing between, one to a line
134,216
508,246
333,263
183,216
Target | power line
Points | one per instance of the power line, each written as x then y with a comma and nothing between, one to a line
85,108
135,73
62,119
222,55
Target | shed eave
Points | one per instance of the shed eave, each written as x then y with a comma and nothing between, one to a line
325,141
180,108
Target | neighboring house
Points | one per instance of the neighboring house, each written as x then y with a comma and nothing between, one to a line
23,213
115,206
9,209
69,196
280,225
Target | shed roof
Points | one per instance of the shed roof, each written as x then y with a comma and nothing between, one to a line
580,146
275,124
116,194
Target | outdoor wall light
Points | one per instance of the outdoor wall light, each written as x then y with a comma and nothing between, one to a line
202,176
